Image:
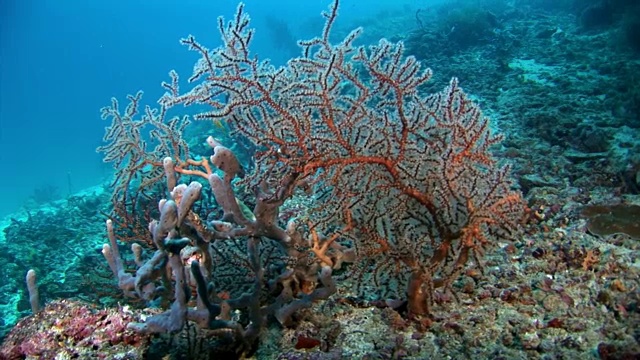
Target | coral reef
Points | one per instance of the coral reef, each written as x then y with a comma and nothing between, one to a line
379,219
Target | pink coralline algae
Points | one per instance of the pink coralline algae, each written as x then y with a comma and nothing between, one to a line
72,328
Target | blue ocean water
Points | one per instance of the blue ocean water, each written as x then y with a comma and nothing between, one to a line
61,61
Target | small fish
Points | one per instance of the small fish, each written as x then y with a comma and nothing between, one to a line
221,127
246,212
219,124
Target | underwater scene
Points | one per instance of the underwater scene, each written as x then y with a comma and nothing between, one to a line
334,179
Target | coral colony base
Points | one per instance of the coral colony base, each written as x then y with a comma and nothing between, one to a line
333,172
